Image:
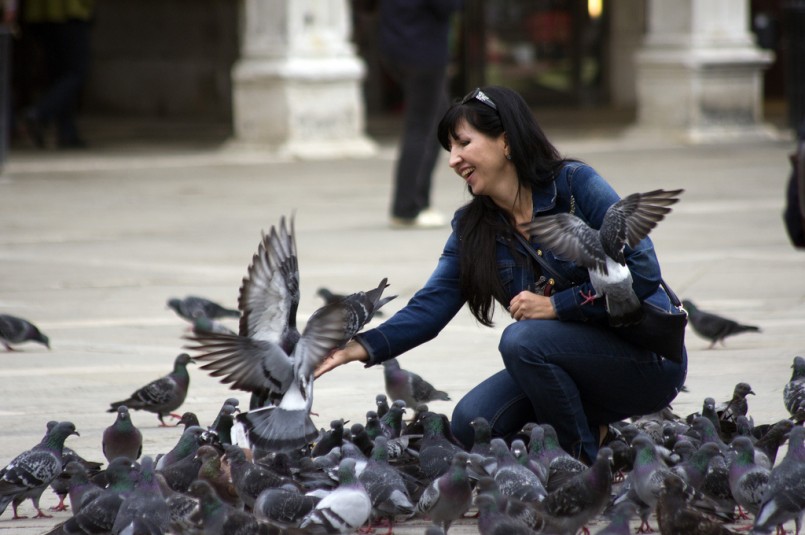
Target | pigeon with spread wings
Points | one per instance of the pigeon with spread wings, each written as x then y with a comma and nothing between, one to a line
268,357
601,250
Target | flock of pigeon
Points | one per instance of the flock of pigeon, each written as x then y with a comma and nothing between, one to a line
269,470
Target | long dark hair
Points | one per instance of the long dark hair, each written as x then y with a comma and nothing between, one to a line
480,223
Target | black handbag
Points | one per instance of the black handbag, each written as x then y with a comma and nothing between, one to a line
660,331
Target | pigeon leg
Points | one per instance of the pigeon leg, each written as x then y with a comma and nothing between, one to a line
17,516
8,347
589,297
60,506
175,416
41,514
645,527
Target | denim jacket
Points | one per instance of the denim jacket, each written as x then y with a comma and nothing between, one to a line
432,307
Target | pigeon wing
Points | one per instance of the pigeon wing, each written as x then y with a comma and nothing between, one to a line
568,237
269,294
638,213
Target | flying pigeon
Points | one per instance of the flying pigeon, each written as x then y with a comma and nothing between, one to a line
449,496
626,222
192,307
122,438
675,514
265,359
785,498
713,327
30,472
330,297
794,391
14,330
205,325
161,396
345,509
408,386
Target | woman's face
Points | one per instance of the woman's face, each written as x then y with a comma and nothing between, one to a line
480,160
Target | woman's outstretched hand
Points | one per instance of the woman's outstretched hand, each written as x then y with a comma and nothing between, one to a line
352,351
530,306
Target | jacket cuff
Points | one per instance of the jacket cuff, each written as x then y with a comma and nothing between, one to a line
376,345
566,305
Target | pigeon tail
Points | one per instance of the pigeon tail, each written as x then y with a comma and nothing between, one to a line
278,429
624,310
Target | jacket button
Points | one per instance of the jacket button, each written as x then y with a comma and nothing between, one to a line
539,252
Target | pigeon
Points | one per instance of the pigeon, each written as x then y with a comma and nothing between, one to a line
581,498
330,297
391,422
30,472
436,451
729,411
514,479
185,447
748,481
144,503
80,488
249,479
329,439
213,471
620,517
265,361
343,510
188,419
694,469
626,222
163,395
205,325
511,507
181,506
61,485
773,438
408,386
283,506
491,521
675,515
192,307
14,330
382,403
559,465
385,485
216,516
122,438
713,327
716,484
794,391
360,438
785,498
449,496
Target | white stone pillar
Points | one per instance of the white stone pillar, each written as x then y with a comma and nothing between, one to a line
297,85
699,73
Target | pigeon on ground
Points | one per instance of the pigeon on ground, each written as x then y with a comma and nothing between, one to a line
30,472
385,485
449,496
61,485
249,479
145,504
694,469
408,386
14,330
675,515
769,443
122,438
345,509
360,438
794,391
785,498
186,446
214,472
382,403
729,411
391,422
626,222
329,439
181,506
258,360
512,507
716,485
161,396
436,451
620,517
491,521
748,481
559,464
217,517
192,307
581,498
514,479
482,436
713,327
188,419
283,506
80,488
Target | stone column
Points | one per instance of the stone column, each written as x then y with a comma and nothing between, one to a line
699,73
297,85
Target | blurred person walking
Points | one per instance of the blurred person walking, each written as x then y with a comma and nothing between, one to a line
413,45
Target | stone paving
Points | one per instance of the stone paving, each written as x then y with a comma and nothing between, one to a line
93,244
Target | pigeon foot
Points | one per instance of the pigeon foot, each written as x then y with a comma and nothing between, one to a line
589,297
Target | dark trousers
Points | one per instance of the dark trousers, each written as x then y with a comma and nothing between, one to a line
67,55
425,96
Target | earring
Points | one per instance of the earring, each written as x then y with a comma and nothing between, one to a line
508,156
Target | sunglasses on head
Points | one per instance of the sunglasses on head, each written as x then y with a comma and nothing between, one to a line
479,95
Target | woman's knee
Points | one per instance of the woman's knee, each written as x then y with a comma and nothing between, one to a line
463,413
517,343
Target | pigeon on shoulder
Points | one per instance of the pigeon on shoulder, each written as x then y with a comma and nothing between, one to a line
14,330
713,327
601,251
161,396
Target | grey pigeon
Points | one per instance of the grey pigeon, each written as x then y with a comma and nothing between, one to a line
676,515
343,510
80,488
716,484
61,485
785,497
729,411
514,479
283,506
626,222
203,325
713,327
161,396
122,438
188,419
511,507
436,451
330,297
770,442
217,517
385,485
382,403
794,391
748,481
620,517
181,506
581,498
186,446
145,504
257,360
482,435
329,439
449,496
391,422
694,469
192,307
408,386
249,479
214,472
491,521
30,472
559,464
14,330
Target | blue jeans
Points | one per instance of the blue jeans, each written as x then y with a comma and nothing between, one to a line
572,375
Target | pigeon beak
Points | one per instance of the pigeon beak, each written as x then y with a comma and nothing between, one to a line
76,433
751,392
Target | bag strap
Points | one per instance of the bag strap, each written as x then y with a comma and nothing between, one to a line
671,294
546,268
